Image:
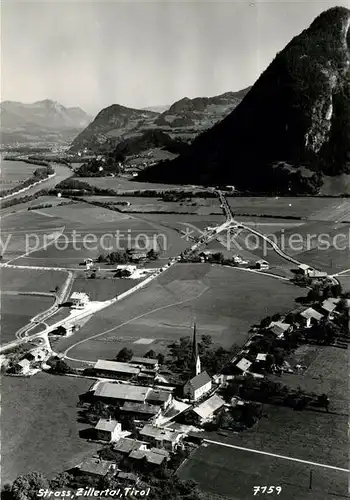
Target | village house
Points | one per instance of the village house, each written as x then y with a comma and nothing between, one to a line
95,467
127,478
37,355
127,445
159,397
146,362
279,328
329,306
206,410
110,393
161,438
153,457
243,365
115,369
141,411
24,366
108,430
310,317
79,300
262,264
197,386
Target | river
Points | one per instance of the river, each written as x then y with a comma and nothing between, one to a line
62,172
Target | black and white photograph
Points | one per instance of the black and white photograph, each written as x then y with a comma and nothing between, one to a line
175,249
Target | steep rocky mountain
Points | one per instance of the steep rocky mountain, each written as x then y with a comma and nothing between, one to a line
40,121
296,115
183,121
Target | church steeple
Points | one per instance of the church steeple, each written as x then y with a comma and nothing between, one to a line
195,356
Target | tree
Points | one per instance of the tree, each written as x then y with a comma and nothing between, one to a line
26,487
151,354
62,479
61,367
124,355
152,254
324,401
161,358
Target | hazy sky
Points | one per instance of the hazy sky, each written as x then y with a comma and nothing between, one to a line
93,54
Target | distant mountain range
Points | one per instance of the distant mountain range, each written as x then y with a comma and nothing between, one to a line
182,121
41,121
292,129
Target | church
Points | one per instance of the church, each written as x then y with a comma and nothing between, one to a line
200,383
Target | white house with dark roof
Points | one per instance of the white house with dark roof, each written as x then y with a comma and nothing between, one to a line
161,438
311,317
108,430
197,386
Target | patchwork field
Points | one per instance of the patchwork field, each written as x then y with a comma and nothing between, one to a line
63,236
39,420
225,303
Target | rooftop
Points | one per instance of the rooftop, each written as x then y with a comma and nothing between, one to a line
106,425
200,380
95,466
79,296
115,366
311,313
208,407
144,361
304,267
127,392
145,408
159,433
330,304
126,445
281,324
243,364
261,356
153,457
159,396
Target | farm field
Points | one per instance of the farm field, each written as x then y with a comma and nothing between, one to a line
122,184
107,231
344,280
143,204
39,420
225,303
30,280
312,208
17,311
327,372
232,473
103,288
14,172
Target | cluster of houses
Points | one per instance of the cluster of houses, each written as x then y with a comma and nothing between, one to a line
32,362
300,318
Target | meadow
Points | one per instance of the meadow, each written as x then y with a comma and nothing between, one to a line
225,302
39,420
111,231
312,208
233,473
103,288
30,280
14,172
17,311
